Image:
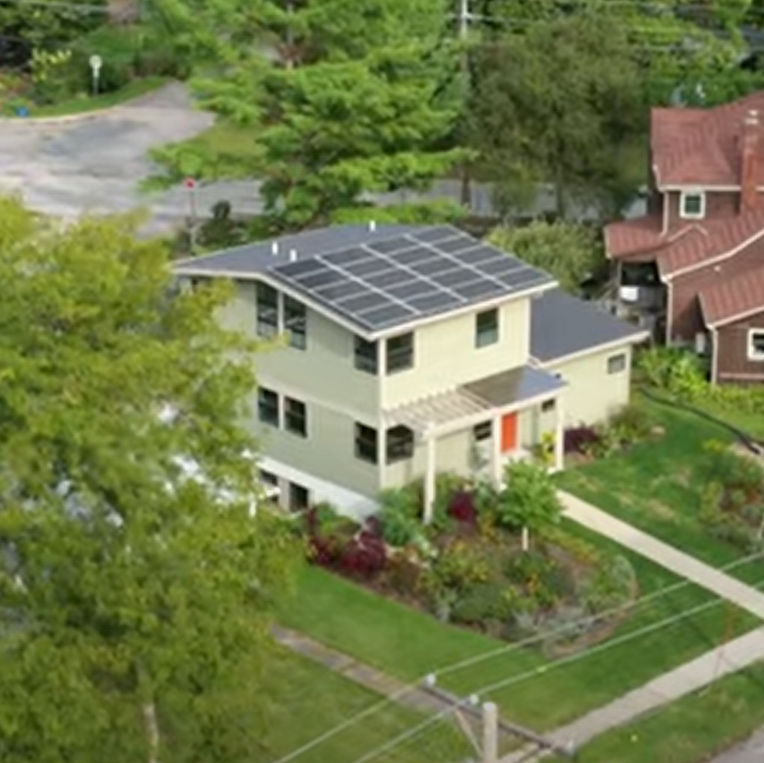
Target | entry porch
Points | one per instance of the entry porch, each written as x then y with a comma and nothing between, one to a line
476,429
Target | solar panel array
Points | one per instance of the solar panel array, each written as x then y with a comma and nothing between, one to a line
398,280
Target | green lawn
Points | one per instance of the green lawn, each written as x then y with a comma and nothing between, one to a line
690,730
306,700
86,103
409,644
656,486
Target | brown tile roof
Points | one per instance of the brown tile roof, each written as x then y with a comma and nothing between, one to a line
684,248
733,298
700,146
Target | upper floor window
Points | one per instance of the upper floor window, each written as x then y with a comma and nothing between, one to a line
487,328
482,431
756,344
400,353
268,407
692,205
267,311
616,364
295,317
366,446
400,444
366,355
295,417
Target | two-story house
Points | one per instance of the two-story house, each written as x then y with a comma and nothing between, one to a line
693,267
407,350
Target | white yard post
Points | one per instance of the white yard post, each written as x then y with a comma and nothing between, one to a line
429,475
559,436
496,470
490,733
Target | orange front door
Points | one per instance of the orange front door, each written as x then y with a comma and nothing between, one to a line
508,432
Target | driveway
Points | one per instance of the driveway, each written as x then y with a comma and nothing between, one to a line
94,164
751,751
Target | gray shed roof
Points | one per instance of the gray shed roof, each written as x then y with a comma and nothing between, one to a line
562,325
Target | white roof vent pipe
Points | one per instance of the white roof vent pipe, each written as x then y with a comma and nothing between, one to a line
372,226
292,255
275,247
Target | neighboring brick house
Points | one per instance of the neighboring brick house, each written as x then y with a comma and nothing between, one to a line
692,269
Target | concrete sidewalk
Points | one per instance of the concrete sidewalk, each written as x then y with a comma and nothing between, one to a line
684,565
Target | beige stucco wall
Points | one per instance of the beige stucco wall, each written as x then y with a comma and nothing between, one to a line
324,371
593,394
445,354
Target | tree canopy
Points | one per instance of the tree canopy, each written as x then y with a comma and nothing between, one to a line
135,599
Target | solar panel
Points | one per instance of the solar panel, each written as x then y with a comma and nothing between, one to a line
366,267
431,235
484,254
523,278
451,278
407,291
301,267
438,300
362,302
389,245
391,277
319,279
389,315
414,256
479,288
342,290
502,266
345,256
455,245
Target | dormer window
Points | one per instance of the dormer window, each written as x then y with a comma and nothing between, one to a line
692,205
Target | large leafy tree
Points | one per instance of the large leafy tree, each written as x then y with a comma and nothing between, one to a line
344,98
135,598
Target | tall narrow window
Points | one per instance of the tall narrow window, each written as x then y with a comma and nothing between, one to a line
487,328
295,417
295,320
400,444
267,311
268,407
400,353
366,447
366,356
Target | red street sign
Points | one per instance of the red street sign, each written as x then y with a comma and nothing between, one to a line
190,183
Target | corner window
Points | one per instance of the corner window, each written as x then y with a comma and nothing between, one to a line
548,405
295,319
692,206
267,311
268,407
756,345
616,364
366,444
366,356
295,417
400,353
487,328
400,444
299,497
482,431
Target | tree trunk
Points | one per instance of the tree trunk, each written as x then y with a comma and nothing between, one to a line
525,539
151,725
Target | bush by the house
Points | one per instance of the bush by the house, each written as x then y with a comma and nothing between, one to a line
488,606
529,500
462,508
580,439
400,516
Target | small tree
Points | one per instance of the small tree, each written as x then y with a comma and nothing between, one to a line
529,501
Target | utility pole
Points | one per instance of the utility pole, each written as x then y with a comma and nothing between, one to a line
490,733
464,66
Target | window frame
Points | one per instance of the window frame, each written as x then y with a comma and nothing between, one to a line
295,488
399,359
485,337
549,405
300,416
483,431
403,448
617,358
362,439
362,357
296,322
684,196
266,314
267,478
263,392
751,353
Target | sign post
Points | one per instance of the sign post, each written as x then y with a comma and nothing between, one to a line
192,212
95,67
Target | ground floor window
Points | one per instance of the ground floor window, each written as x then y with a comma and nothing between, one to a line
400,444
756,344
366,448
616,364
482,431
299,497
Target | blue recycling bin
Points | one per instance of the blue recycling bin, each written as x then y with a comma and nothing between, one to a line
22,111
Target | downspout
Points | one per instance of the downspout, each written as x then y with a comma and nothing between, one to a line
665,205
714,354
669,308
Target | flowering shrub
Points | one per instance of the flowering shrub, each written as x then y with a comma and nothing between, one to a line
461,507
581,439
364,557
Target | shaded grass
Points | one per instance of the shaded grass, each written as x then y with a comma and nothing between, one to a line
84,104
409,644
235,149
656,486
304,700
691,729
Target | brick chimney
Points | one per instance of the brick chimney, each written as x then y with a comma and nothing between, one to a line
750,150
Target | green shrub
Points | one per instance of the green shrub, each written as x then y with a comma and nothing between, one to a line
733,471
678,372
612,585
529,499
403,573
632,422
457,567
540,577
484,603
400,516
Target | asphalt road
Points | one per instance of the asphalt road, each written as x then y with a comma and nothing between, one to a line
751,751
95,164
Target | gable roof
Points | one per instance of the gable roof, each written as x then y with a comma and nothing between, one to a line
381,279
562,325
733,299
700,146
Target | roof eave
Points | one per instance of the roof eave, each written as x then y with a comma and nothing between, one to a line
630,339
